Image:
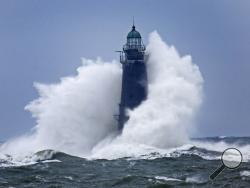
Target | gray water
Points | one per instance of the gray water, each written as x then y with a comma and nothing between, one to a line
187,168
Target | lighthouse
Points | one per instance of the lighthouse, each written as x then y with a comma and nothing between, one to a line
134,76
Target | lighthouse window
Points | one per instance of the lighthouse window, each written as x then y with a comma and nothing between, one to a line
137,41
134,41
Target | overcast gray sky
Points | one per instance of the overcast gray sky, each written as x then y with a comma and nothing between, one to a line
44,40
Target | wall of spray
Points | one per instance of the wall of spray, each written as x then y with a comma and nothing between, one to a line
76,115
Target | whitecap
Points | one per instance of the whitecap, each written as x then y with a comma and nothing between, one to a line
166,178
245,173
195,179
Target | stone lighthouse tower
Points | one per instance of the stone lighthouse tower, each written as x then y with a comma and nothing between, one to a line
134,78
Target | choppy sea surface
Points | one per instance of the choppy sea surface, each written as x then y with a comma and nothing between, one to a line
188,166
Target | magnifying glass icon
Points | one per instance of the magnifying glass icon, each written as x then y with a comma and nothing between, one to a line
231,158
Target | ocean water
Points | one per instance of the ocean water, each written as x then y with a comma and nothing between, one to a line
186,166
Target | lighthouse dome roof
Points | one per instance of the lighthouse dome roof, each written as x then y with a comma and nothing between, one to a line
133,33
